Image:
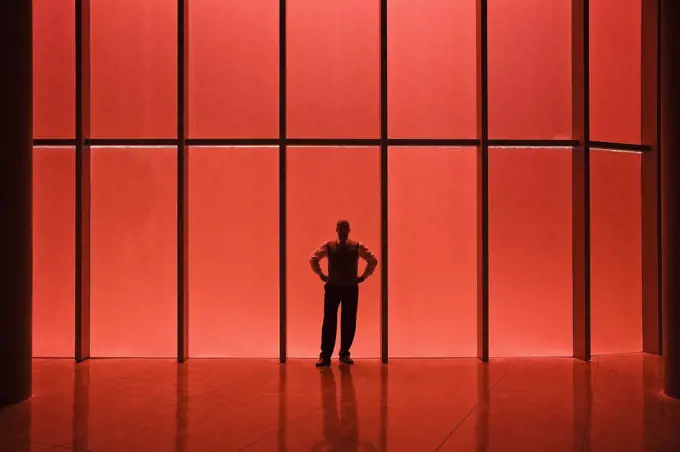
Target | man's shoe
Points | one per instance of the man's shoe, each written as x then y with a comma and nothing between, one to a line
345,359
323,362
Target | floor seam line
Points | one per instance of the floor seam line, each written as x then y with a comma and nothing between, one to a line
292,421
590,406
470,412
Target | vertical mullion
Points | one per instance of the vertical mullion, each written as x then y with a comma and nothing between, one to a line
182,183
651,179
282,185
581,178
384,303
82,163
482,183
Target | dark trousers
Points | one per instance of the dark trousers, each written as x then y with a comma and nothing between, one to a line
333,297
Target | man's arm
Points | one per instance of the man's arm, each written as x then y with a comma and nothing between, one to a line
316,257
371,261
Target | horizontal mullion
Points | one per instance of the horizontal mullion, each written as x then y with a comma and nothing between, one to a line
331,142
132,142
532,143
418,142
47,142
233,141
620,146
414,142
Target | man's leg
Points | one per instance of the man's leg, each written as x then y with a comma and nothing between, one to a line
329,329
350,303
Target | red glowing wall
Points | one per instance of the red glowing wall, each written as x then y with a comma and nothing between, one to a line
54,69
333,69
615,70
133,69
529,69
134,252
333,74
234,252
234,68
433,252
616,252
530,252
432,70
53,251
324,186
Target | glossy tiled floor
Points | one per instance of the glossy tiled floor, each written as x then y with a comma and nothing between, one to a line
612,404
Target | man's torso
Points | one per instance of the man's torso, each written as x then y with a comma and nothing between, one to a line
343,263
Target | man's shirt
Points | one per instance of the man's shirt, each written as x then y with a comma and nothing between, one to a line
343,261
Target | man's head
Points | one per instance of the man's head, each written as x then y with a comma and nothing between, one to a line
343,230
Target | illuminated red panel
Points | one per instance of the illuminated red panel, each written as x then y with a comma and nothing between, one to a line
333,69
616,252
530,262
432,88
615,70
433,252
530,69
53,252
134,68
233,68
54,69
234,252
324,186
134,252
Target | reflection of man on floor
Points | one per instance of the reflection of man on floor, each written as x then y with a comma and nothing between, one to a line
342,286
341,433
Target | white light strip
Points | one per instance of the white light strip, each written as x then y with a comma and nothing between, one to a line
531,147
618,151
332,146
169,146
426,146
205,146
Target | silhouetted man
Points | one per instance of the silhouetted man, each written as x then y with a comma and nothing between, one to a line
342,286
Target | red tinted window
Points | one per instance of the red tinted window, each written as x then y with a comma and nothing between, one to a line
433,252
530,252
134,252
324,186
53,252
432,47
616,252
233,68
529,69
134,68
54,97
615,70
333,69
234,252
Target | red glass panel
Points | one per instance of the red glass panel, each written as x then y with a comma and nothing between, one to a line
616,252
234,252
324,186
433,252
54,98
530,306
432,87
333,69
134,68
134,252
53,252
616,70
530,69
233,68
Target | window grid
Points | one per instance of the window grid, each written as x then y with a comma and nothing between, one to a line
82,142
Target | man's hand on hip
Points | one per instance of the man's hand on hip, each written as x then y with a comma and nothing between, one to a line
323,277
